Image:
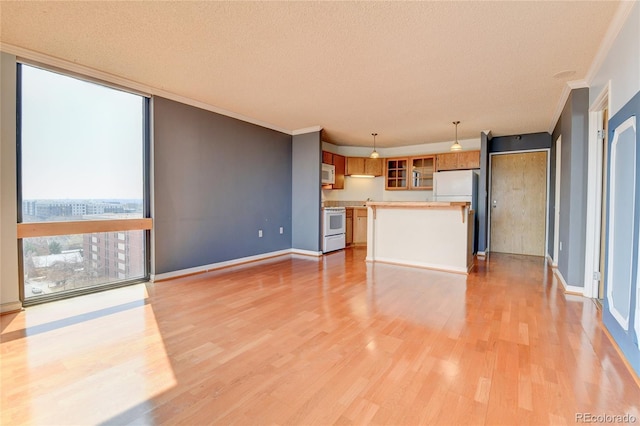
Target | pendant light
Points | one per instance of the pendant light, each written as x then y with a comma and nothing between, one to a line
456,146
374,154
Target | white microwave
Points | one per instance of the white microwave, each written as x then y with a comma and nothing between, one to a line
328,174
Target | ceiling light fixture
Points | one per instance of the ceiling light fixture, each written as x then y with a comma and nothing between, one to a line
456,146
374,154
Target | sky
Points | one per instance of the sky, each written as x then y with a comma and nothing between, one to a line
80,140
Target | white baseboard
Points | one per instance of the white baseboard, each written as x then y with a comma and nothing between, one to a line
7,308
435,267
218,265
481,254
551,261
306,252
568,288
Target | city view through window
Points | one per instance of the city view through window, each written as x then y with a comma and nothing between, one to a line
81,149
67,262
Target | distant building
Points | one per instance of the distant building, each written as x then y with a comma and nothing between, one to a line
39,210
115,255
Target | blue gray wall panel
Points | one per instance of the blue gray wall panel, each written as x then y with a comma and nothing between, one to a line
621,279
306,178
217,181
483,193
573,126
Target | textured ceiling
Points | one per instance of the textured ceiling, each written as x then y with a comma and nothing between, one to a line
405,70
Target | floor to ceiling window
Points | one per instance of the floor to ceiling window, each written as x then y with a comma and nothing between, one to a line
83,197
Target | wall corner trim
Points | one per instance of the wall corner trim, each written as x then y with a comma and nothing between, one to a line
566,90
306,130
577,84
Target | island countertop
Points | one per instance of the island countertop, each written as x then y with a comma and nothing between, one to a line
463,206
418,204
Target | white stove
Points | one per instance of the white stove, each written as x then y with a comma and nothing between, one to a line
333,228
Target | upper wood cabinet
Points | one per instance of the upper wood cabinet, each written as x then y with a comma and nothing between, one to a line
461,160
327,157
339,161
422,169
364,166
469,160
396,176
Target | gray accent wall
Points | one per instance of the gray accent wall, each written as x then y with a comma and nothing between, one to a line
573,125
483,192
306,178
526,142
216,182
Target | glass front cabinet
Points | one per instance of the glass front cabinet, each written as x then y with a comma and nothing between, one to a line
410,173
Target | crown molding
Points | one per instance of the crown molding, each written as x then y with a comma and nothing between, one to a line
306,130
559,107
618,21
577,84
126,84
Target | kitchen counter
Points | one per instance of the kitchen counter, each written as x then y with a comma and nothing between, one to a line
429,234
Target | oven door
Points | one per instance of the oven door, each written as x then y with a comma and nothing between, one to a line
333,242
334,223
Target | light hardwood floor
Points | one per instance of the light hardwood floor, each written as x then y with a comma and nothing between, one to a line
296,340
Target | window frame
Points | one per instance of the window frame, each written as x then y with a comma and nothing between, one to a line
48,229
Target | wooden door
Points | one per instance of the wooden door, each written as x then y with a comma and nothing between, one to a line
518,203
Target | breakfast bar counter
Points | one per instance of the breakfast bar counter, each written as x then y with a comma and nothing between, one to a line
434,235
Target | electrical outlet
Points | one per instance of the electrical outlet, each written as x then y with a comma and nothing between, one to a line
560,245
259,233
281,230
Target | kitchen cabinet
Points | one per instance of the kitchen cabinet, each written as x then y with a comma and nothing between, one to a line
469,160
422,169
339,162
364,166
462,160
349,227
360,226
396,176
327,157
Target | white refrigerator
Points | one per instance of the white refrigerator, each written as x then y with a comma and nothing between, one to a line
458,185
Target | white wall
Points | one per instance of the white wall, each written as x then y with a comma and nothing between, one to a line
621,65
359,189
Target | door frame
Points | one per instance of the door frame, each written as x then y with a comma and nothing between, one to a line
546,216
595,175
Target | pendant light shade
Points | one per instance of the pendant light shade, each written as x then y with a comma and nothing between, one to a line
456,146
374,154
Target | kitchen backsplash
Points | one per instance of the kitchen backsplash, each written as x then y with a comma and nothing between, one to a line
373,189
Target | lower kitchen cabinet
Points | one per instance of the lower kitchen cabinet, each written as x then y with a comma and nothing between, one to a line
360,226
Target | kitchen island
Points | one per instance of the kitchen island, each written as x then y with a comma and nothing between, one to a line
434,235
